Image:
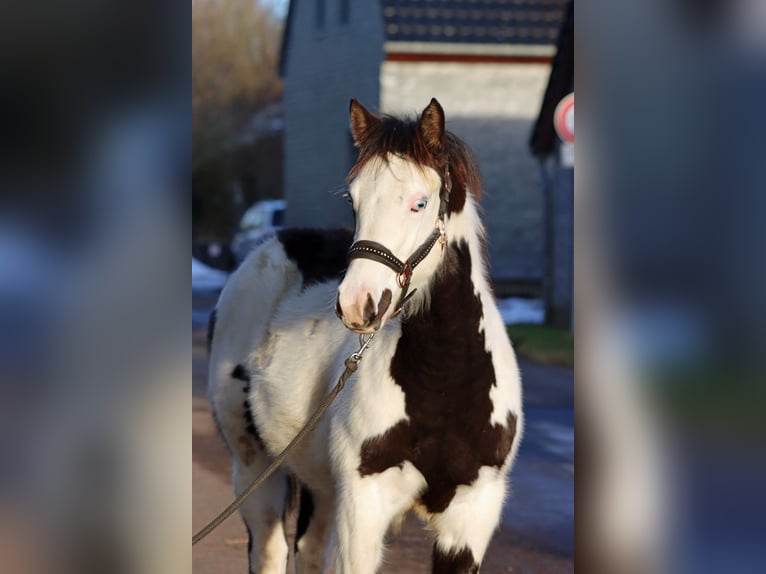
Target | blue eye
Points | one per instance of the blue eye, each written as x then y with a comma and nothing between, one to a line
419,204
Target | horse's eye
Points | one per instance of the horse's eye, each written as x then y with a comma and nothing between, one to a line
419,204
347,197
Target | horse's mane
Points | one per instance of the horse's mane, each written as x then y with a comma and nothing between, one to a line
392,135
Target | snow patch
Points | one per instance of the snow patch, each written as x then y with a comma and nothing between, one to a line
520,310
204,277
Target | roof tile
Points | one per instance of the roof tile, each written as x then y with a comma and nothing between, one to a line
534,22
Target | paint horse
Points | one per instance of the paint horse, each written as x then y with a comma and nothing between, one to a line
432,419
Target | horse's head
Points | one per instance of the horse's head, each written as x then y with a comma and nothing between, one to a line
400,187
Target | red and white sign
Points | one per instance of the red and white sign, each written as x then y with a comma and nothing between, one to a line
563,118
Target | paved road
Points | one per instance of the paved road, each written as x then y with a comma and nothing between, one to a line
541,507
536,535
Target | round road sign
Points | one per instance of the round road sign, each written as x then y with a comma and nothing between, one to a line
563,118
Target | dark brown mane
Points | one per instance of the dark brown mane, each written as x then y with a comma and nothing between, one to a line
399,137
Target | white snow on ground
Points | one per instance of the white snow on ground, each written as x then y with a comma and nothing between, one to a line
512,309
520,310
204,277
663,331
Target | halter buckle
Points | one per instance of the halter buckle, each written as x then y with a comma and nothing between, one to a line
403,278
442,233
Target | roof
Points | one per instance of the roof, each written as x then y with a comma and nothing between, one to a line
527,22
478,28
543,138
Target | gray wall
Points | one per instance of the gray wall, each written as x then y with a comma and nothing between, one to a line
492,108
512,200
325,68
560,290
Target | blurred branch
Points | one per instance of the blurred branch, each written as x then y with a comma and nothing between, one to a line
235,50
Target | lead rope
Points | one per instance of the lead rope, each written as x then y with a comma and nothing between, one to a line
352,363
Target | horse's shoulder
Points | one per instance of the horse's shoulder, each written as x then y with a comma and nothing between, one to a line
319,254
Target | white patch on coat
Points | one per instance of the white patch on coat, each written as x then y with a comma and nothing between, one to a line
366,507
241,325
473,514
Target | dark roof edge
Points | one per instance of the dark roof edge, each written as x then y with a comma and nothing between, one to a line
470,49
467,58
542,140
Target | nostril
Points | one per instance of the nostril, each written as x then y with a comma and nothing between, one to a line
369,310
338,310
385,302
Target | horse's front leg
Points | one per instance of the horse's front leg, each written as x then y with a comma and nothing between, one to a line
314,527
465,528
365,508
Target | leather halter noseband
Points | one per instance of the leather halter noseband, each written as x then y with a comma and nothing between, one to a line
374,251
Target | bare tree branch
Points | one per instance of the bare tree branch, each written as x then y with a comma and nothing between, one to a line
235,50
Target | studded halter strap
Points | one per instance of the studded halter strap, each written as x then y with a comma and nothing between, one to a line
364,249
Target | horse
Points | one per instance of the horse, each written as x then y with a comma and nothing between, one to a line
432,419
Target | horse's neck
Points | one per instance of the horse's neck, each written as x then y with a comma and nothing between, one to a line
444,344
460,289
467,227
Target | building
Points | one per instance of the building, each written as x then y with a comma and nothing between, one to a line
488,63
558,184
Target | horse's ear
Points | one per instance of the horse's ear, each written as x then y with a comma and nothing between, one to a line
431,124
362,122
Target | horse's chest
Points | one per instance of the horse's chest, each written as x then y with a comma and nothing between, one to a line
442,365
448,435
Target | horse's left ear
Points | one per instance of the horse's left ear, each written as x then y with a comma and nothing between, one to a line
431,124
362,122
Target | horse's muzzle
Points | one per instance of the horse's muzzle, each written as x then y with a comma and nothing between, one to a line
363,315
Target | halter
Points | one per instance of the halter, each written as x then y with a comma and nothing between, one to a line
364,249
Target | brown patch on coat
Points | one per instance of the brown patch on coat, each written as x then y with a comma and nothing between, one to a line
242,374
249,549
446,374
416,140
246,450
319,254
305,514
383,305
455,562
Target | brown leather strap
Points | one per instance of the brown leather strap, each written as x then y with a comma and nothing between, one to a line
374,251
425,248
364,249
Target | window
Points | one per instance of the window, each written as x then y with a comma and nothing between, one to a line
319,21
344,11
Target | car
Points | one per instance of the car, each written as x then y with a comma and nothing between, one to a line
258,223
